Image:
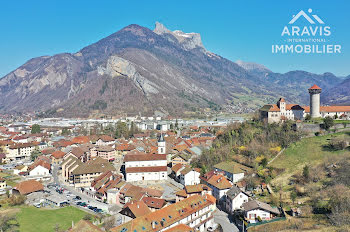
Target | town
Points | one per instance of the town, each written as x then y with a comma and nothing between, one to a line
147,173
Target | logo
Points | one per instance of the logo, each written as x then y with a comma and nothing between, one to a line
306,33
302,13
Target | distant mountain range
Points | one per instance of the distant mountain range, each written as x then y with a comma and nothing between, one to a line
137,70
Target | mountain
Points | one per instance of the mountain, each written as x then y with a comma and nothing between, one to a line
254,68
338,94
137,70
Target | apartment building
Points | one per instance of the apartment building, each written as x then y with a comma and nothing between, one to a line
195,212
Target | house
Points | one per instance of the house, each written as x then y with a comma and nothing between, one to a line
235,198
143,167
135,209
103,183
85,173
181,158
105,152
219,183
20,151
28,186
195,212
78,153
57,157
40,167
189,176
176,169
113,194
20,169
253,210
130,192
233,170
123,148
190,190
154,203
105,140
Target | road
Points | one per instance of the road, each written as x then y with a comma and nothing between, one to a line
222,218
84,197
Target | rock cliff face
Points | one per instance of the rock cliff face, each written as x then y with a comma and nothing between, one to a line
137,70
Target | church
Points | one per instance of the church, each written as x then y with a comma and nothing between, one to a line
282,111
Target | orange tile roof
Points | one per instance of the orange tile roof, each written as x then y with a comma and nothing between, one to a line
29,186
81,139
154,202
39,162
125,147
138,208
330,109
58,154
180,228
144,157
314,87
177,167
146,169
166,216
219,181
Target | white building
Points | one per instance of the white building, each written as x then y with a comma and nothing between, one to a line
235,199
256,209
139,167
20,151
189,176
218,183
39,171
195,212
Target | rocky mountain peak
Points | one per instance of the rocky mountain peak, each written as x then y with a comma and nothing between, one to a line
249,66
187,40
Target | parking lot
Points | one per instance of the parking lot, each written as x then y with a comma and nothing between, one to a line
75,199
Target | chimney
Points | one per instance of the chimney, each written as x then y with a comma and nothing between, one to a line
153,224
138,206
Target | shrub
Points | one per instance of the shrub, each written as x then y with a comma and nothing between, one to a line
16,200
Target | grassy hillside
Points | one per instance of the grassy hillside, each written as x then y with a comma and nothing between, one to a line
310,151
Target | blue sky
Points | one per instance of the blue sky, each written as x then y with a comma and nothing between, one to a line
242,30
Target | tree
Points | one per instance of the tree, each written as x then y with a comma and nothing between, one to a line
65,131
87,217
108,223
328,122
176,125
306,172
35,129
8,222
122,130
308,117
264,162
35,153
293,196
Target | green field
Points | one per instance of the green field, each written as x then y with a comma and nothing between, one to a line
307,151
32,219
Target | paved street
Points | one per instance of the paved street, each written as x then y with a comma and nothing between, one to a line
221,218
83,196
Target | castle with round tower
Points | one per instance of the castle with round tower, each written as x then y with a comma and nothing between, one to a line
283,111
